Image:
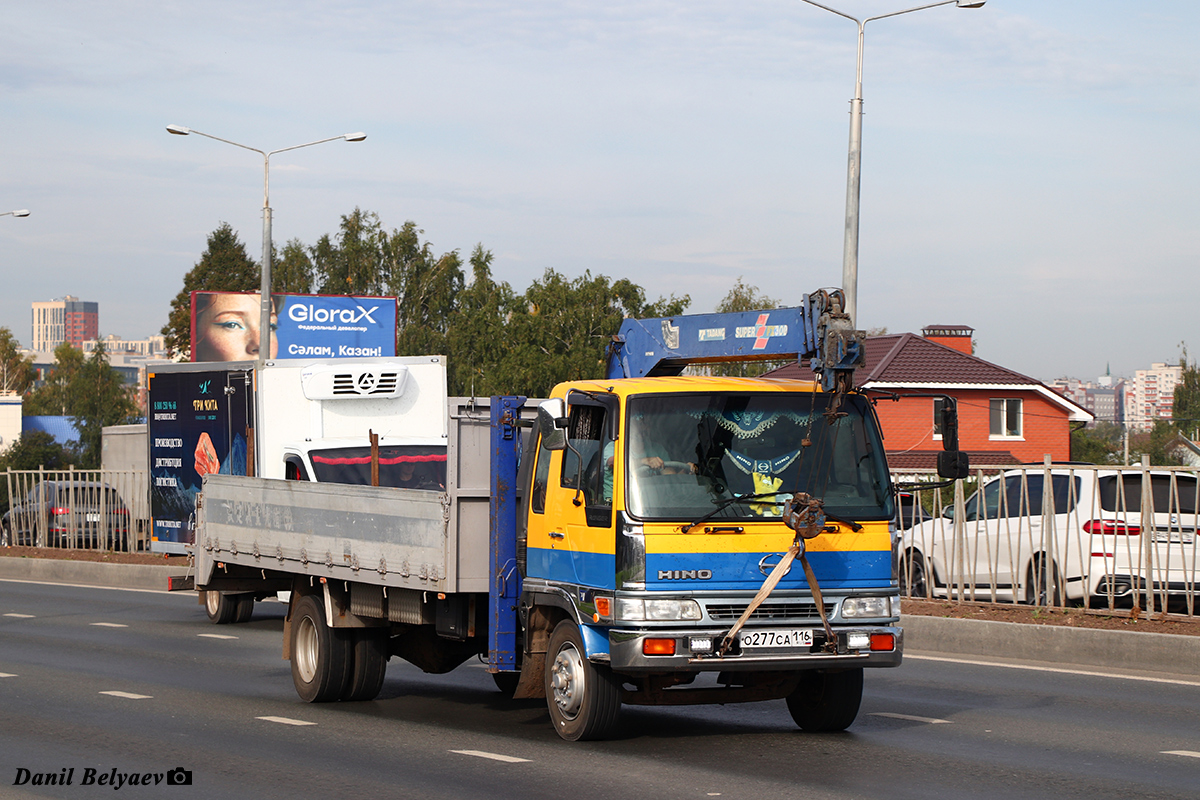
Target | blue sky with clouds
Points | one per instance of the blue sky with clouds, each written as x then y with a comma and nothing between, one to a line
1029,168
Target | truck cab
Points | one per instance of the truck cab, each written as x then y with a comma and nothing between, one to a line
654,513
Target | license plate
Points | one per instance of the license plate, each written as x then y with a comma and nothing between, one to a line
777,638
93,517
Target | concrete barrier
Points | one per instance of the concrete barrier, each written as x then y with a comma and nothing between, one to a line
89,573
1123,650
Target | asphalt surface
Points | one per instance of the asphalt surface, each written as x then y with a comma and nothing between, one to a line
126,682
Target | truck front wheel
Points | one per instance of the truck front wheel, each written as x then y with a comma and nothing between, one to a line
584,698
321,656
826,701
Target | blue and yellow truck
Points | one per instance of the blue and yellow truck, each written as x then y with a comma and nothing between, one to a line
648,538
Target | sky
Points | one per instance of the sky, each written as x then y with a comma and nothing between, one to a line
1029,168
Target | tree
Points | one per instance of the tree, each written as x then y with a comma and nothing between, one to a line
1099,445
745,298
478,342
560,329
224,266
1155,445
293,272
55,396
89,391
17,370
1186,408
428,289
356,263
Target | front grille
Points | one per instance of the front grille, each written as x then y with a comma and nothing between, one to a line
769,611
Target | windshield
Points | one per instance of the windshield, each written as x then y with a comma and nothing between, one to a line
402,466
685,454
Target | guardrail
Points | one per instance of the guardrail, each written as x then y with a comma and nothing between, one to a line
1114,538
87,509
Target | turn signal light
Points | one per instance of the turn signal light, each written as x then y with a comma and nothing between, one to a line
658,647
883,641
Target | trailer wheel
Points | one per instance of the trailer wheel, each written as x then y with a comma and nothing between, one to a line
244,604
221,608
320,654
826,701
584,698
369,657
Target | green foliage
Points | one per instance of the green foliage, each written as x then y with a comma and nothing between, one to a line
292,273
16,371
356,262
1099,445
1155,445
89,391
745,298
1186,408
224,266
477,335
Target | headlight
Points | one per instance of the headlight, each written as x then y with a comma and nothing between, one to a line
637,609
860,607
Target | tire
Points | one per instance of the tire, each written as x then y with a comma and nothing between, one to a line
244,607
1043,585
321,655
826,701
369,657
914,576
221,608
584,698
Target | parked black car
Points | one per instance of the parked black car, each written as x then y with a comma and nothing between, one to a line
909,511
71,513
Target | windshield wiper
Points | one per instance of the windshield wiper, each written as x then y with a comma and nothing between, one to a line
726,503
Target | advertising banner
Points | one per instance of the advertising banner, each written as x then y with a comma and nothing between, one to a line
225,326
198,421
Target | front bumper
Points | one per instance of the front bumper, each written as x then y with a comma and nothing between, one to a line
627,652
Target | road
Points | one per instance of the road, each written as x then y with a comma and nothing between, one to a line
134,682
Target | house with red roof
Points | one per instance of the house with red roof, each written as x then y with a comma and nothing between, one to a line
1004,417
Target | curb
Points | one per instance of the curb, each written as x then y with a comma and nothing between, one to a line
89,573
1124,650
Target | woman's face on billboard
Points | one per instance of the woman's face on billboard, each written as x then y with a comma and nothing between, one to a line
227,329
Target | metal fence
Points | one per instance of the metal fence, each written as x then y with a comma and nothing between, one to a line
1114,538
88,509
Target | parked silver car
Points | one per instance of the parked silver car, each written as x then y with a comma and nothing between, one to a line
1100,534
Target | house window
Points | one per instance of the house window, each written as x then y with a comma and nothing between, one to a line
939,403
1005,418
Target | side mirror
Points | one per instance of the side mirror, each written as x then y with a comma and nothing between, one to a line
552,423
948,513
953,465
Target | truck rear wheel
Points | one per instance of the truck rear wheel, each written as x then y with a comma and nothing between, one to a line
320,654
220,608
826,701
369,657
244,610
584,698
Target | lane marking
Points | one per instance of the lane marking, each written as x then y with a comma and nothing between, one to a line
492,756
286,721
129,695
109,625
215,636
911,718
1086,673
7,675
1188,753
20,616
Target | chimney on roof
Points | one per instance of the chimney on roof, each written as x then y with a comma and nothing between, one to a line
956,337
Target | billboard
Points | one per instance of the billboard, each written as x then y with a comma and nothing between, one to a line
225,326
198,423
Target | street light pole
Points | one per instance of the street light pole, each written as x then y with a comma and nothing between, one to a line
854,167
20,212
264,319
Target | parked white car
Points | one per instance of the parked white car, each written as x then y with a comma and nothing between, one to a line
1098,534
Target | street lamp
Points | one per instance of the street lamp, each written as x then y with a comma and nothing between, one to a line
264,320
854,171
20,212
